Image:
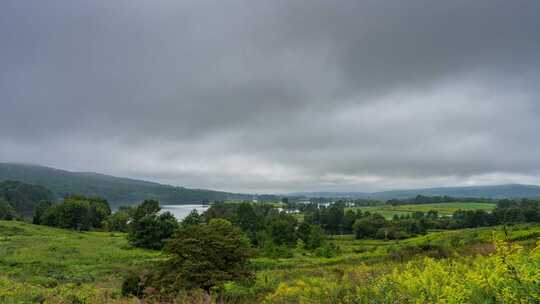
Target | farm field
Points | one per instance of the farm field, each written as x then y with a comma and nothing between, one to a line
442,208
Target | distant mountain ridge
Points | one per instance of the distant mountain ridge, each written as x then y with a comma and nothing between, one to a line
117,190
495,191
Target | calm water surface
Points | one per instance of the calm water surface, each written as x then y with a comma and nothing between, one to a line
181,211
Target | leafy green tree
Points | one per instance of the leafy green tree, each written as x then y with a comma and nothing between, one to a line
348,221
282,232
118,221
333,218
312,236
40,210
368,226
148,207
412,226
99,210
148,228
303,231
316,237
193,218
71,214
248,220
6,211
221,210
253,219
75,212
204,256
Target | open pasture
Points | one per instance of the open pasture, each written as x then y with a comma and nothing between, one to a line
389,211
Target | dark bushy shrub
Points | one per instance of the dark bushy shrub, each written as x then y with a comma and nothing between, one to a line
134,285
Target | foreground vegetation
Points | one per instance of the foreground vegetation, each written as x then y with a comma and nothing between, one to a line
509,275
43,264
481,251
482,265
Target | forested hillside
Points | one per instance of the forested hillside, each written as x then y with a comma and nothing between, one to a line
116,190
19,199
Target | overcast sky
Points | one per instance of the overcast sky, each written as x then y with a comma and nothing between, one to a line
276,95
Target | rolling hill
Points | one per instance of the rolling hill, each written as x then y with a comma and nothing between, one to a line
120,190
115,189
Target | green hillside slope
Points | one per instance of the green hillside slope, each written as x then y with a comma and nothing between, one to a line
42,264
116,190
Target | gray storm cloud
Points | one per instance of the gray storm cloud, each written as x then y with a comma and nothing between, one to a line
275,96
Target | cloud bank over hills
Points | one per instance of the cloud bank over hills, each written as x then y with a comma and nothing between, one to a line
278,96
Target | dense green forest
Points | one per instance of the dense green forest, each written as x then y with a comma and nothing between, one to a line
19,200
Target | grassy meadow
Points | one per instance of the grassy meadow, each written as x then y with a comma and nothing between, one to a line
307,278
48,265
445,209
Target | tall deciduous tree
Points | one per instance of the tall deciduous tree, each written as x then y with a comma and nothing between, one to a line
193,218
75,212
208,255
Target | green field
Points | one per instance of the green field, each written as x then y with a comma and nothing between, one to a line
443,208
321,280
43,264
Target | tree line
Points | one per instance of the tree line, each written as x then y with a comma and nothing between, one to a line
422,199
272,232
337,219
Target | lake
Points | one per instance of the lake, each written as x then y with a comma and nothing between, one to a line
181,211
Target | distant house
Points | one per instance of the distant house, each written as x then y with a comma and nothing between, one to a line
289,211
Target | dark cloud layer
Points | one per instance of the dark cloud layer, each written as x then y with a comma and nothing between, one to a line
275,95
